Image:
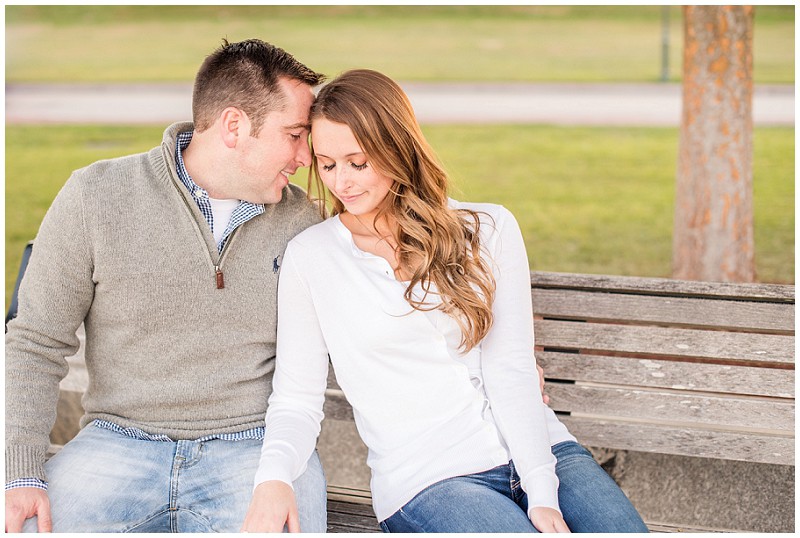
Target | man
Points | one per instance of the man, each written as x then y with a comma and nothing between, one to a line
170,258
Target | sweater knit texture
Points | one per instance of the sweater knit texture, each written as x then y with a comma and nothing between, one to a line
125,250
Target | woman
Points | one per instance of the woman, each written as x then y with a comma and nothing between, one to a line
423,304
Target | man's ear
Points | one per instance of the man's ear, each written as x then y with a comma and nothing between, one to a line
234,125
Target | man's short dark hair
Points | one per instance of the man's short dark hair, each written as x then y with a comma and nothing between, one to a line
245,75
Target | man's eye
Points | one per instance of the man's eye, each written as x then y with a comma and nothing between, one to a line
295,136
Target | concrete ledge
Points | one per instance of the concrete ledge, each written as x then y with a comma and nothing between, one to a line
707,494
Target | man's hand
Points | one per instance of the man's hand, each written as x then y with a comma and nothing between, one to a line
25,503
548,520
272,506
545,397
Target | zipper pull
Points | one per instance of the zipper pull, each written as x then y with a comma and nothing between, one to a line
220,278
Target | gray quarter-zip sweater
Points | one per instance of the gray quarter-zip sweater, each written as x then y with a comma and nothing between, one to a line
125,250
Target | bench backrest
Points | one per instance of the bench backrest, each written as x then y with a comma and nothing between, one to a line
647,364
669,366
12,308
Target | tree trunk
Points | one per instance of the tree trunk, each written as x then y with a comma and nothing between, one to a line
713,234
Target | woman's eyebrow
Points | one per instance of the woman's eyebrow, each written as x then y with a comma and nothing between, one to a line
348,155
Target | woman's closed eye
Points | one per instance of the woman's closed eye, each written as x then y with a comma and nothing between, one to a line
329,167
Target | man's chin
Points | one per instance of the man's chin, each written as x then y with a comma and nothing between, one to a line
274,198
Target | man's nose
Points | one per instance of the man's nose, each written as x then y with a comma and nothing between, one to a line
303,157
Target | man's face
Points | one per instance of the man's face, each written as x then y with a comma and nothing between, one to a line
266,162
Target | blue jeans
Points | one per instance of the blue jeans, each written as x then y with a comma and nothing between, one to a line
102,481
493,501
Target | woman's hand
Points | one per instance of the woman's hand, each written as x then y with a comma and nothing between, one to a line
273,506
548,520
545,397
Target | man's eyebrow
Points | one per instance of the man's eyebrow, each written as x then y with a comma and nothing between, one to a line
301,125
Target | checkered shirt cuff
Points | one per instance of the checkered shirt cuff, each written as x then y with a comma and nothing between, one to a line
26,483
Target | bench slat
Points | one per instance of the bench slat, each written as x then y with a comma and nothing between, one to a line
677,311
687,408
664,286
630,404
350,517
668,374
682,441
671,342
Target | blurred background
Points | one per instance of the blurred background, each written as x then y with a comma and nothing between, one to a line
589,198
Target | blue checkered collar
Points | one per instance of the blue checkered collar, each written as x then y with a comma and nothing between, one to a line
244,212
182,142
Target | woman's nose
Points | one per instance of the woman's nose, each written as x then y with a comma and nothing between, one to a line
342,178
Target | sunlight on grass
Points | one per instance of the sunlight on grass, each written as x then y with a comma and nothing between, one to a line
593,200
480,43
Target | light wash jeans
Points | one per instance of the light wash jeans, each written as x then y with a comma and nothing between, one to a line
102,481
493,501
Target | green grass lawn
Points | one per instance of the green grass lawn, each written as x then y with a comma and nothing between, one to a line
594,200
443,43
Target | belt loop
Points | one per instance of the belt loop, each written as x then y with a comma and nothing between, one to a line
514,482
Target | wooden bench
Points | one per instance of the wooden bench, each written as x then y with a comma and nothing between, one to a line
689,368
699,371
697,375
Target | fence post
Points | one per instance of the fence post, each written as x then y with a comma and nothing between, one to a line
665,44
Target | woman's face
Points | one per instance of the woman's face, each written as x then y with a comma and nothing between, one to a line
345,169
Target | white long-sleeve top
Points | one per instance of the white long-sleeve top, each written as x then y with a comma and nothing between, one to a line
425,411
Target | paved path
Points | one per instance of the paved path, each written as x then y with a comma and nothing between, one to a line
559,104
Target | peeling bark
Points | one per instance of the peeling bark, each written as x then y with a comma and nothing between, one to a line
713,234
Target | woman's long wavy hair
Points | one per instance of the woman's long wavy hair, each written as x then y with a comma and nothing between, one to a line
439,244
